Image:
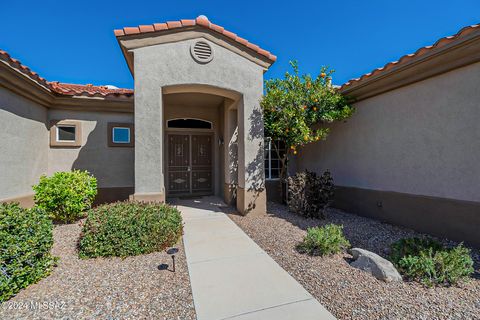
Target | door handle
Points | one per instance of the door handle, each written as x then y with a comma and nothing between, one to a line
189,169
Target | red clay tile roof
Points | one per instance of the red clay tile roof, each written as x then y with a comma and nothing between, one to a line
199,21
16,64
66,89
87,90
408,57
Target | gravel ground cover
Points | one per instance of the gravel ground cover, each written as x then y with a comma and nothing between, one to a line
131,288
349,293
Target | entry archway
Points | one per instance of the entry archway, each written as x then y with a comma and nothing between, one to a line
198,133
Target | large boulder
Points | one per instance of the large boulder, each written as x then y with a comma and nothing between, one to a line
379,267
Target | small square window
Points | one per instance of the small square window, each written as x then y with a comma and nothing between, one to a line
66,133
120,135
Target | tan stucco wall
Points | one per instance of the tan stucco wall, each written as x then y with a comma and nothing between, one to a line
113,166
422,139
170,64
23,144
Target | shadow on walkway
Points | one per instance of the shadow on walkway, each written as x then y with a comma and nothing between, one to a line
205,203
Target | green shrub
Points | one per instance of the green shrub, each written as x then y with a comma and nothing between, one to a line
324,240
309,194
129,228
427,261
65,196
25,242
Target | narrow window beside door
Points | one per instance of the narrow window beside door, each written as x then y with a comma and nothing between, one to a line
273,165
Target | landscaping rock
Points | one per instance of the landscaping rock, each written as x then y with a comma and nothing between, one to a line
353,294
379,267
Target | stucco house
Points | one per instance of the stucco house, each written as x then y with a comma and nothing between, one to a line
409,155
193,127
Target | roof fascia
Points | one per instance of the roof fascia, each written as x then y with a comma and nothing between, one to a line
101,104
128,43
456,54
19,83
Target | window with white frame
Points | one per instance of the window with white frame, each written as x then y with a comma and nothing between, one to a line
66,133
273,165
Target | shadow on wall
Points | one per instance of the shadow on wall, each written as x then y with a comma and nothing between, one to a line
255,169
112,166
233,169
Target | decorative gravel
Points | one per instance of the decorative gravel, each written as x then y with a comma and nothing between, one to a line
114,288
349,293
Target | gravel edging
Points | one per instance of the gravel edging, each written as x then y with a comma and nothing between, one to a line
113,288
349,293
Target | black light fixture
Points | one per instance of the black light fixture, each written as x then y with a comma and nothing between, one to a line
164,266
172,252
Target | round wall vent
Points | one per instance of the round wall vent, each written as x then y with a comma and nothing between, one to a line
201,52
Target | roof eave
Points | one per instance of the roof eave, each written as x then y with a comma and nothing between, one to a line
97,104
16,81
128,57
426,63
38,91
130,39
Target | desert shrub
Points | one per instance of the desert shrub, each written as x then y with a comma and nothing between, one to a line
429,262
25,242
309,194
324,240
65,196
129,228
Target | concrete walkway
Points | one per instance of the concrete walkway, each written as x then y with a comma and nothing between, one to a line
232,277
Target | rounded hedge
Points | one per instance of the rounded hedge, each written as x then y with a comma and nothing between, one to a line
325,240
25,242
129,228
429,262
65,196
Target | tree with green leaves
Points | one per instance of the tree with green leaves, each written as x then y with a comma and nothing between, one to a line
298,108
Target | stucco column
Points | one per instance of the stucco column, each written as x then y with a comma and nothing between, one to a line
149,180
231,153
251,194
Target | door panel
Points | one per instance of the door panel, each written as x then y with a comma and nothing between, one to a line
178,164
201,163
190,162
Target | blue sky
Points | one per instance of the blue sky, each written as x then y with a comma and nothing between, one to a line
73,41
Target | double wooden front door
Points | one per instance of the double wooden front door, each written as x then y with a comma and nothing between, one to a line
189,164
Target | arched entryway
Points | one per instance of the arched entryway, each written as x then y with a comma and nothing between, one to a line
198,59
200,141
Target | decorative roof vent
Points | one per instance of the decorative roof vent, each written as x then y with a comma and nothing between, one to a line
201,52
